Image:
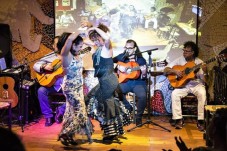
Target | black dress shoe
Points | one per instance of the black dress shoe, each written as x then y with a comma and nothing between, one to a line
179,124
200,125
49,121
58,117
172,122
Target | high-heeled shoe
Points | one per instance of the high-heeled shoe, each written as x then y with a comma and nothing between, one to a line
64,139
108,139
67,140
71,140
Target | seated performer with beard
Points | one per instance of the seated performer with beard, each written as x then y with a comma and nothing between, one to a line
130,82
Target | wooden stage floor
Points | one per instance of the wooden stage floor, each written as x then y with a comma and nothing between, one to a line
149,137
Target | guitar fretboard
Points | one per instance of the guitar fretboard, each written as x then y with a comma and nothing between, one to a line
85,50
219,57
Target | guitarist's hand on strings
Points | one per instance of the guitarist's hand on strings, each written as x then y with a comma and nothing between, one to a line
122,68
178,73
47,67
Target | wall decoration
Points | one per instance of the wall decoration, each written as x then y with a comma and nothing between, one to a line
18,14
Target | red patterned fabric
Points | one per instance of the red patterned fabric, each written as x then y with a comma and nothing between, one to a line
157,103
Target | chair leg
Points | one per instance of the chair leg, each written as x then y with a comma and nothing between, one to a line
10,116
134,108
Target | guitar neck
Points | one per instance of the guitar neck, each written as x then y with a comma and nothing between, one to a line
57,66
135,68
85,50
206,62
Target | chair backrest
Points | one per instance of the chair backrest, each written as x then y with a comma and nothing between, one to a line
56,99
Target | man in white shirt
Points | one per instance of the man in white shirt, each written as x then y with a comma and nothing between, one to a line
42,66
195,85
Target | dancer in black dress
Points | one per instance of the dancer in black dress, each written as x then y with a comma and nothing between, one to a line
102,105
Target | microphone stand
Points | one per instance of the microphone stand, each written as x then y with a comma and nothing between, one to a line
148,99
148,51
21,104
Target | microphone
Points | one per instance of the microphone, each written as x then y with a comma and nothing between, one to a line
148,51
125,55
151,50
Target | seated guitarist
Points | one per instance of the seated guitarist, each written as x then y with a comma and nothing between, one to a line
137,83
42,66
194,85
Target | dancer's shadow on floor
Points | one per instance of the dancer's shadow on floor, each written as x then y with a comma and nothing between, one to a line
116,141
80,142
75,148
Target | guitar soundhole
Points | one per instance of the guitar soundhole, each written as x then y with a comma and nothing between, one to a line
178,78
5,86
187,71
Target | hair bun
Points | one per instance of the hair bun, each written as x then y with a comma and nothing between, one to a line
62,39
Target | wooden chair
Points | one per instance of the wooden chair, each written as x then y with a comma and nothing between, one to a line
56,99
131,97
189,105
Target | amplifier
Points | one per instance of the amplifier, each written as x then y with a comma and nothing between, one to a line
17,73
29,103
12,71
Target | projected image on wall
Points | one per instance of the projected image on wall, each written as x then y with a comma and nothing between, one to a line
162,24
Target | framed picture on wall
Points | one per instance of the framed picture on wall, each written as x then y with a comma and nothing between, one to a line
65,2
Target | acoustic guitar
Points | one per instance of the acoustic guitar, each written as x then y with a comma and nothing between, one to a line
48,78
189,71
7,92
134,70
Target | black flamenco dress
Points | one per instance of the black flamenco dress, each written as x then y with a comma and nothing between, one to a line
102,105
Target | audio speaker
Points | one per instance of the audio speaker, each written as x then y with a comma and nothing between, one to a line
29,103
6,44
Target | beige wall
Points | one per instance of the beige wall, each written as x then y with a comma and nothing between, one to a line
32,27
213,39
